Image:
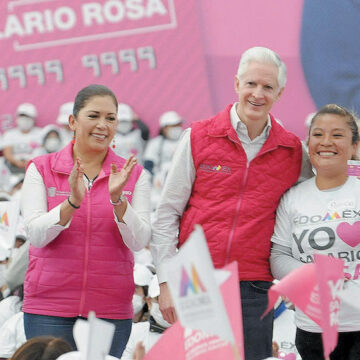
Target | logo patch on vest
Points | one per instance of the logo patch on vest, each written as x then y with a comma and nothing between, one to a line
52,192
215,168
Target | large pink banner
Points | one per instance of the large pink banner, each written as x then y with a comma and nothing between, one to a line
149,52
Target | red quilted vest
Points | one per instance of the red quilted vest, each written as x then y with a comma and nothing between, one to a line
235,202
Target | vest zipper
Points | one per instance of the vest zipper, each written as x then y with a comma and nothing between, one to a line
238,204
86,257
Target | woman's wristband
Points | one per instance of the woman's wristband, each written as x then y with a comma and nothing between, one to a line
121,200
71,204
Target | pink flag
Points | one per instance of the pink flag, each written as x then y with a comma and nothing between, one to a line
314,289
330,275
179,343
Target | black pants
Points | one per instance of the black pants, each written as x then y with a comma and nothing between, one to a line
310,346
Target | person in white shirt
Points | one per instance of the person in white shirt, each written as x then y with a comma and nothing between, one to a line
12,335
147,332
20,142
320,216
62,121
160,151
142,279
128,138
50,141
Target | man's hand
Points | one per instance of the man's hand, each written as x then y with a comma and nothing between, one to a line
166,304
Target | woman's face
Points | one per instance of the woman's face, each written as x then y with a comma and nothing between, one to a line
95,124
330,143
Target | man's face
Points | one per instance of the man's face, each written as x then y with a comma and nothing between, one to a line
258,89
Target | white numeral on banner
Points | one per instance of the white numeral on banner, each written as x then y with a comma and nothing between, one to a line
22,73
131,56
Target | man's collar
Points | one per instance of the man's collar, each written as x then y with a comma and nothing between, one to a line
238,125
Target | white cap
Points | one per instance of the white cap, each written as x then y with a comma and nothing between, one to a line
27,109
154,288
47,129
142,275
170,118
124,112
65,111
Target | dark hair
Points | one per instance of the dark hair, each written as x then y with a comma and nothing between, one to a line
42,348
85,94
340,111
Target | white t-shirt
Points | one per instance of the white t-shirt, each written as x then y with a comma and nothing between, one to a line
23,145
12,335
140,332
160,151
130,143
327,222
9,307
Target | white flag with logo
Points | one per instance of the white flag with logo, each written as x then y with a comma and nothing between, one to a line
9,216
193,286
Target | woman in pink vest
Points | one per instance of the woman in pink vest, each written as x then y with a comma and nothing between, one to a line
85,210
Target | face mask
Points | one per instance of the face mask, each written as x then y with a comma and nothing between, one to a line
124,127
174,133
52,145
156,314
25,123
137,303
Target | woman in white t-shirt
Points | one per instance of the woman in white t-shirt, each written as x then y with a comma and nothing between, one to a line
314,217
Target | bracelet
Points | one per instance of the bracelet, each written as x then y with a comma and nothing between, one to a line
122,199
72,205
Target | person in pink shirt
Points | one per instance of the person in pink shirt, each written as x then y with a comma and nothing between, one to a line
85,210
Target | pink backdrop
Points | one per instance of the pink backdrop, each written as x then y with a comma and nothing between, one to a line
236,25
156,55
148,52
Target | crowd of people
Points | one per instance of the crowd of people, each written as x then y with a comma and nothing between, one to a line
104,207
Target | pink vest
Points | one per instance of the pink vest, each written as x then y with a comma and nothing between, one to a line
88,266
235,202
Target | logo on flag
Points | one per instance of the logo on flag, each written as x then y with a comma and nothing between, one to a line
192,283
4,219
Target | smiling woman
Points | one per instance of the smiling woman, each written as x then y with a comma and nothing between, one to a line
326,204
84,230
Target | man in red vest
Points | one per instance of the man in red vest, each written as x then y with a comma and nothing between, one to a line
228,175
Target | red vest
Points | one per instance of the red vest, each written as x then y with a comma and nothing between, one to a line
235,202
88,266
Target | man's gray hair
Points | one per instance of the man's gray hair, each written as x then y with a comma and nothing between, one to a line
262,55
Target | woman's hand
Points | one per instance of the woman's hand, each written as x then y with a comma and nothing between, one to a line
76,182
118,179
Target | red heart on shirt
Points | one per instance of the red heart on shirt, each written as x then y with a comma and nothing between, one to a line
349,234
